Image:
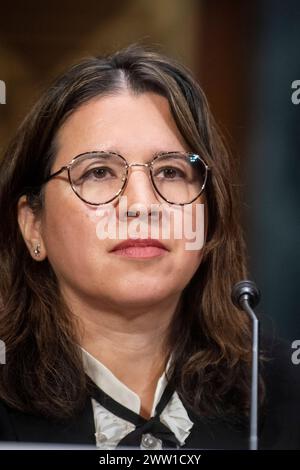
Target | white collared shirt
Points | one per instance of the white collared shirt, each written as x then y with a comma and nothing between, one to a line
110,429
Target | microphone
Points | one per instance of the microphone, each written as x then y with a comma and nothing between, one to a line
245,296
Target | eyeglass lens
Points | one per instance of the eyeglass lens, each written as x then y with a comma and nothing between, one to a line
99,176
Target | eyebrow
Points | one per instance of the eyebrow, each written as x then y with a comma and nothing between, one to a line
153,154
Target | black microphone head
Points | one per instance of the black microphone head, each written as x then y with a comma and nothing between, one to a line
242,288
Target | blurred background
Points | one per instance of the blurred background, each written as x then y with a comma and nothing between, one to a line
244,54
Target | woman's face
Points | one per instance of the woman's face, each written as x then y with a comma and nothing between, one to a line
137,127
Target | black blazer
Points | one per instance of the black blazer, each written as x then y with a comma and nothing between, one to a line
279,426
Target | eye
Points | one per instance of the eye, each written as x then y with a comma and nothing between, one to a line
169,173
98,173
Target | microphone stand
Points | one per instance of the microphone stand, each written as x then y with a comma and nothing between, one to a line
246,295
254,374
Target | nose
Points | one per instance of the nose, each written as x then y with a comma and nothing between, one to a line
139,189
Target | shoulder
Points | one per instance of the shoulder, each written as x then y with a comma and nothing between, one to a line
278,366
16,425
25,427
6,426
280,417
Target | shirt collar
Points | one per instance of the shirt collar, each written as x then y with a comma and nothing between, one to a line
116,389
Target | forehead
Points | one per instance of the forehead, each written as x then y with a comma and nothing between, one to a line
137,126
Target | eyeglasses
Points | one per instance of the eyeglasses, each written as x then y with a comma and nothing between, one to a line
99,177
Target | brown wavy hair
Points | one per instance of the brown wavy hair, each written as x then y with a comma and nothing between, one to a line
209,338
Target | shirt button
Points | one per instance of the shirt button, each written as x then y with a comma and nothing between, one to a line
149,441
101,437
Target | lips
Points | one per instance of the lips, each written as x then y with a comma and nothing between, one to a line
140,248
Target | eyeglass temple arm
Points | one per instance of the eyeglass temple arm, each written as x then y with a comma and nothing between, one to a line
63,168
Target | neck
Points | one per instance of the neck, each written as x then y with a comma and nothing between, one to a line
134,346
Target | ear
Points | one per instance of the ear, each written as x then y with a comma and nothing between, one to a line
30,224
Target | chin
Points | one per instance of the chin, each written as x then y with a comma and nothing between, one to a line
141,296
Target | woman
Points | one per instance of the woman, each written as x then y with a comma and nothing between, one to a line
126,341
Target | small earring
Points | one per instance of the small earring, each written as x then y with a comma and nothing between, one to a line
37,250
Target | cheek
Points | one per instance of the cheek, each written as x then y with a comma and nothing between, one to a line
189,247
187,263
69,233
188,226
